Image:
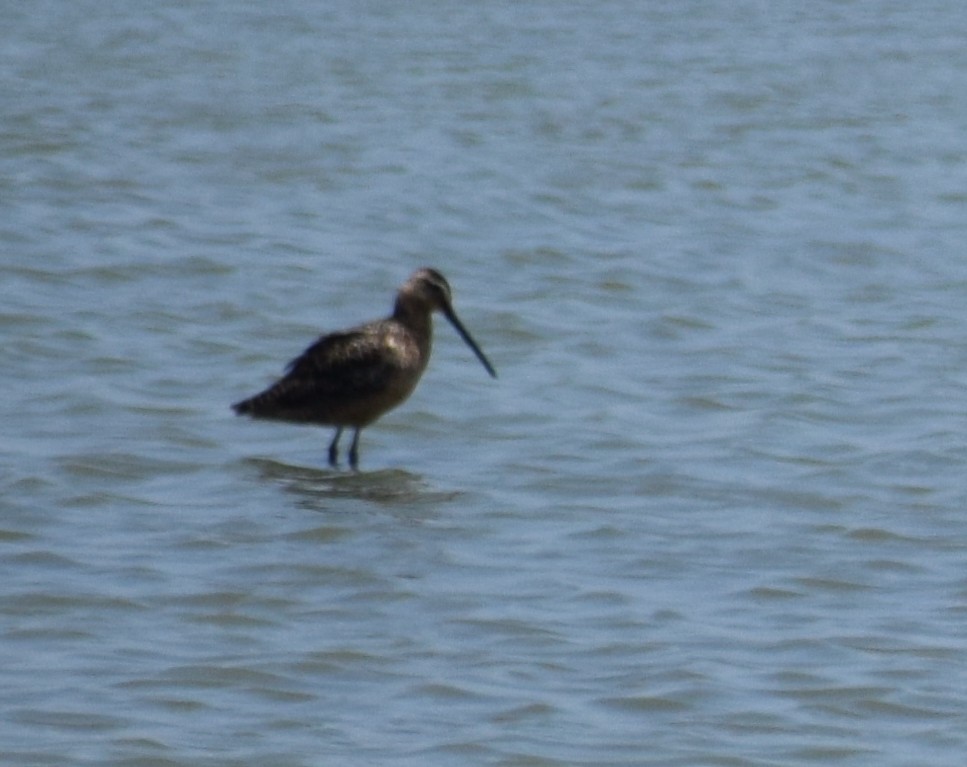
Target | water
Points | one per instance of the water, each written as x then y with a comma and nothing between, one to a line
711,512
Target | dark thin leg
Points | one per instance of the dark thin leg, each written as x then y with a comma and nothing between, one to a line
334,448
354,450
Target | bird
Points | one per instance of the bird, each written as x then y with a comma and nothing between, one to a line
348,379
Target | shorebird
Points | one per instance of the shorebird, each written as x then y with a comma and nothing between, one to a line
350,378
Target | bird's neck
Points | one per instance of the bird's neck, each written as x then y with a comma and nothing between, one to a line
414,315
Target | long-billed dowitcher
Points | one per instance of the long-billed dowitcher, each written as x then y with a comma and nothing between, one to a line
351,378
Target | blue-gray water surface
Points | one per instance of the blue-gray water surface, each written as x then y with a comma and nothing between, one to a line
712,512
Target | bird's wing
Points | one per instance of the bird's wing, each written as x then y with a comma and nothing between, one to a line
351,361
338,368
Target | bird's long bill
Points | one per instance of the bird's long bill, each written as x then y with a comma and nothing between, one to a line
458,326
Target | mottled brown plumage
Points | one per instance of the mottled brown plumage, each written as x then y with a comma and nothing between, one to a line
352,377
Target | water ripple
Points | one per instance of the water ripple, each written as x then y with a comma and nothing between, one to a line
710,513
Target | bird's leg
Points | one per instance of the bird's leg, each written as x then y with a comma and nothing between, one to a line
354,450
334,448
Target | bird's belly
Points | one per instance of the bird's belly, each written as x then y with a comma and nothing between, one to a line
361,407
366,407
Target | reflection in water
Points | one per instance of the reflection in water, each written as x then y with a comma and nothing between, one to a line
317,488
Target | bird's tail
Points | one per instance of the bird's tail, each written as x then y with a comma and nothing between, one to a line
267,404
